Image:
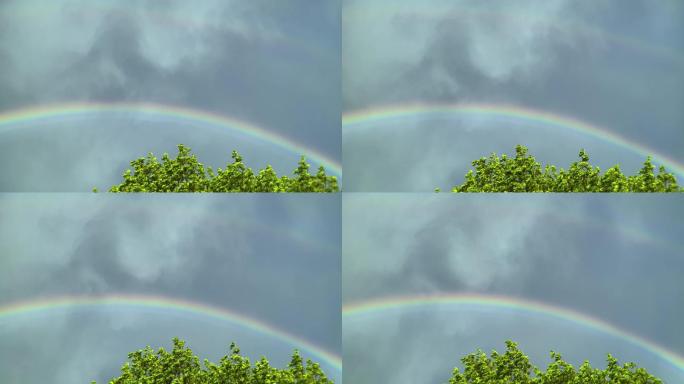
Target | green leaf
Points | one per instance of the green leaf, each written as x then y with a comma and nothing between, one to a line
524,174
186,174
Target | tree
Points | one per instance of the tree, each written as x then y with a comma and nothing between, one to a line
186,174
513,367
524,174
181,366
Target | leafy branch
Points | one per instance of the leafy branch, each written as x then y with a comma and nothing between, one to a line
523,173
186,174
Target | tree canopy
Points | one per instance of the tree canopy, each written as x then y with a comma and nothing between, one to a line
524,174
513,367
181,366
186,174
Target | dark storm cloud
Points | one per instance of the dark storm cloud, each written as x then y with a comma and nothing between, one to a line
113,68
589,61
274,65
615,259
276,260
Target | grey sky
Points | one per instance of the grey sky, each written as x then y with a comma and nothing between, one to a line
275,259
274,65
614,64
617,259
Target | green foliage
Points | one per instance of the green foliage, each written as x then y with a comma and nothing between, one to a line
186,174
524,174
513,367
181,366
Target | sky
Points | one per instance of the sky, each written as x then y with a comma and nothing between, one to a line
613,261
269,261
270,66
606,76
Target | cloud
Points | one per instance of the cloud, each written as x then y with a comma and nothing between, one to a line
453,247
448,50
588,254
589,62
272,258
272,65
94,247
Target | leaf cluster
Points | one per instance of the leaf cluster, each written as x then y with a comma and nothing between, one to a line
181,366
524,174
186,174
513,367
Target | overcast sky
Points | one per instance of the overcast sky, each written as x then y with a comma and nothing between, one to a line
610,63
275,259
618,259
275,65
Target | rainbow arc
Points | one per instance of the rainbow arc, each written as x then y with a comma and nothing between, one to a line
379,116
159,302
24,116
397,303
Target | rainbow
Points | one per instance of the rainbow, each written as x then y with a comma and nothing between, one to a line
366,117
52,111
215,220
159,302
173,19
448,11
632,233
504,302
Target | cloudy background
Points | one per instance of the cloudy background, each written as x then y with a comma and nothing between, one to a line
274,259
614,64
275,65
617,259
